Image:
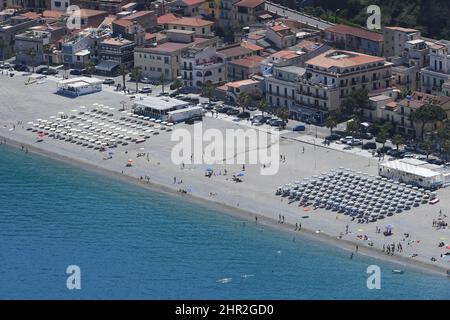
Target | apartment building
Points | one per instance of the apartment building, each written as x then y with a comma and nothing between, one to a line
244,68
331,76
200,66
9,30
395,39
200,27
165,58
189,8
438,72
281,36
282,85
245,12
355,39
117,51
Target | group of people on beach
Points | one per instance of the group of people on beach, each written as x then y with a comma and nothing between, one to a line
390,249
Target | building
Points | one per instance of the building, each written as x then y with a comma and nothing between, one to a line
165,19
232,90
130,30
331,76
234,52
59,5
281,86
201,27
244,68
116,50
355,39
415,172
438,72
246,12
158,107
75,87
110,6
90,18
37,38
395,39
189,8
146,19
281,36
165,58
200,66
9,30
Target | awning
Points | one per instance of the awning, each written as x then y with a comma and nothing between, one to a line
106,65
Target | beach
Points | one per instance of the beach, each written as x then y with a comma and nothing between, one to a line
254,197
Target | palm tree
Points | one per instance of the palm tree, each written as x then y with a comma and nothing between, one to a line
177,84
262,106
32,53
283,114
48,50
136,74
383,133
162,79
123,71
331,122
398,140
208,90
244,100
427,146
90,67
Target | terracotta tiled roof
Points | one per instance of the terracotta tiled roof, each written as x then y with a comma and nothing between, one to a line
52,14
249,62
358,32
238,84
166,18
280,27
286,54
31,15
251,46
191,22
234,51
342,59
123,23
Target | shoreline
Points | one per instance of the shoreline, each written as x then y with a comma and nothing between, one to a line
240,213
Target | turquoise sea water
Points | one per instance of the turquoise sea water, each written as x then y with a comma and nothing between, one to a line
132,243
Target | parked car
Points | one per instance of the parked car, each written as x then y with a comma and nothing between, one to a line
21,67
333,137
379,140
77,72
244,115
299,127
146,80
344,140
384,149
5,65
108,81
223,109
145,90
355,142
277,123
369,146
233,112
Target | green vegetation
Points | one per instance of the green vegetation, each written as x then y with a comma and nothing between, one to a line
431,17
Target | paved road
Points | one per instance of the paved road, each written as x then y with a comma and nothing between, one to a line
296,15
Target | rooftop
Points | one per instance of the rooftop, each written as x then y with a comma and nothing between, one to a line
357,32
240,83
123,22
169,47
166,18
193,2
414,167
285,54
233,51
249,3
137,15
408,30
117,41
161,104
191,22
342,59
293,69
249,62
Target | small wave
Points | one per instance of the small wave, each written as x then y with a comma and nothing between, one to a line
225,280
247,275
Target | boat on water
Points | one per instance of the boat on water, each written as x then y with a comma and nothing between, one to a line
398,271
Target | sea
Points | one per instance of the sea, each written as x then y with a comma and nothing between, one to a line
131,243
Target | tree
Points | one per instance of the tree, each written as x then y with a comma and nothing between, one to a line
90,67
48,50
331,122
162,79
177,84
32,53
383,132
262,106
208,90
136,74
427,146
427,114
355,103
283,114
398,140
244,100
353,127
123,71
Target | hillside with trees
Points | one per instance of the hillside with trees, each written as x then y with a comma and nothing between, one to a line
432,17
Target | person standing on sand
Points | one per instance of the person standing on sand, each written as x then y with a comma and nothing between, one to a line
256,219
296,226
356,248
299,227
174,180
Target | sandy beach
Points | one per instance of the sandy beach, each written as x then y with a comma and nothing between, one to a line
254,197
